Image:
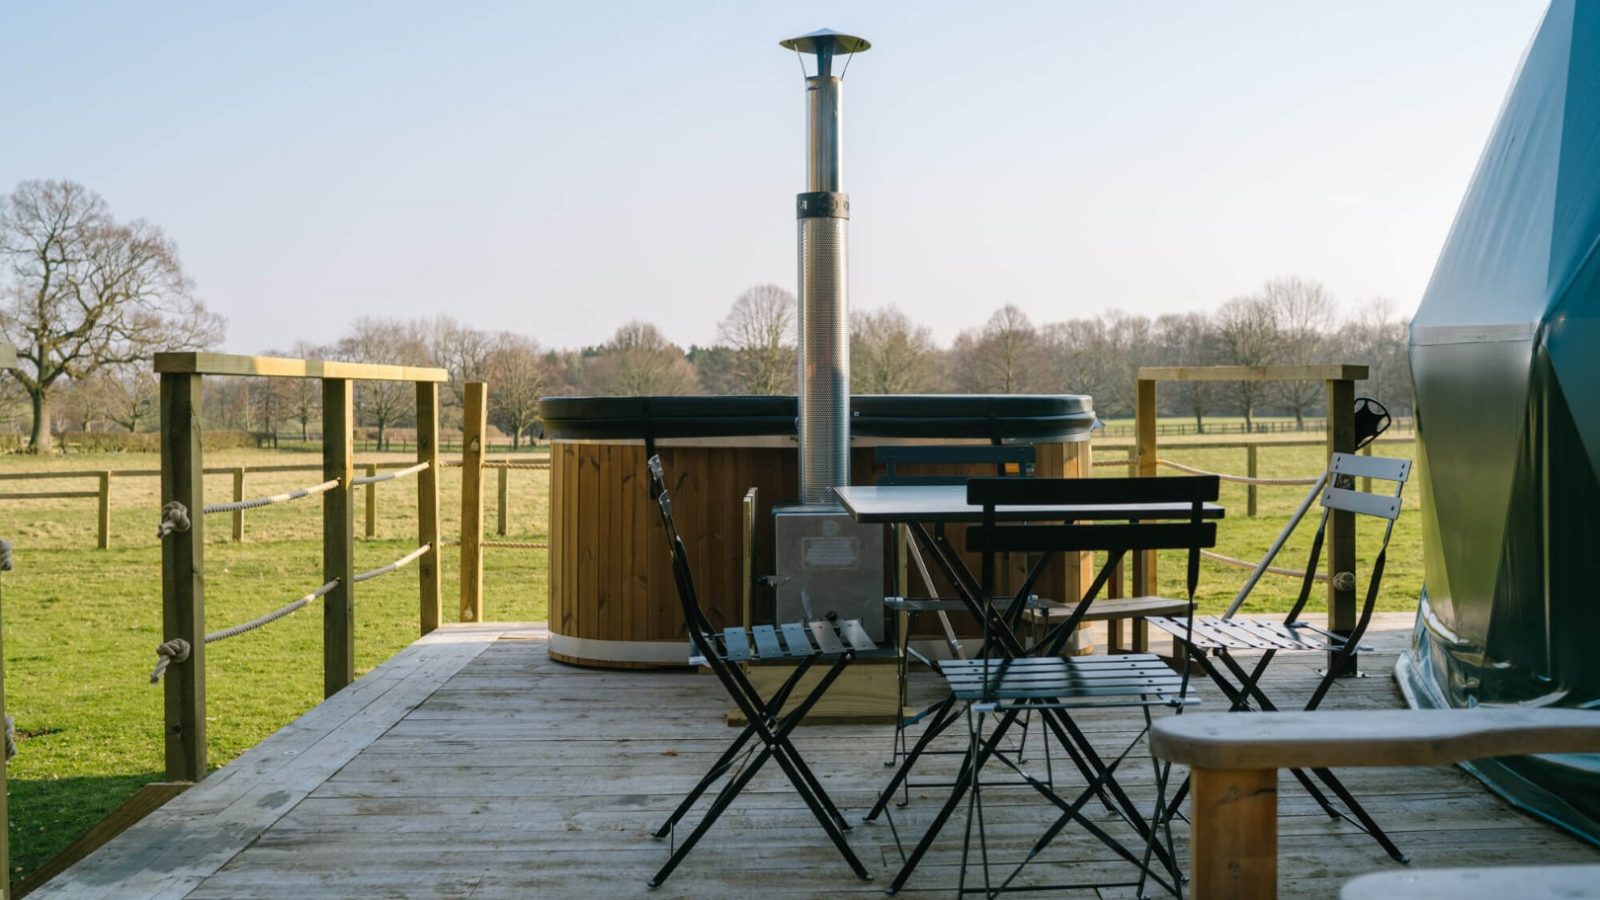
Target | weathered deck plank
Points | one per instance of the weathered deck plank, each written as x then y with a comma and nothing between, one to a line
471,765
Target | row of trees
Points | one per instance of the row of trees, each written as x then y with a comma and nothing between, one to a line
88,300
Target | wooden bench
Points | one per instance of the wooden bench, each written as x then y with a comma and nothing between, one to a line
1234,761
1476,884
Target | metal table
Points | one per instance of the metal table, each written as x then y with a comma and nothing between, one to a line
917,506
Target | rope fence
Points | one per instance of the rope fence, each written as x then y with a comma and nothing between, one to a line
258,502
177,649
1274,570
390,475
1238,479
516,545
390,567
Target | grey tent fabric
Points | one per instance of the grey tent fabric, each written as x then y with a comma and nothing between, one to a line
1505,355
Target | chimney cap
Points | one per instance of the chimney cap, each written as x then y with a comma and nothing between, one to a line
826,39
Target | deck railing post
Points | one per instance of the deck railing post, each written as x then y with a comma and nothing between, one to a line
238,496
500,506
428,503
1250,464
1341,525
338,537
103,519
372,503
475,421
1144,408
183,577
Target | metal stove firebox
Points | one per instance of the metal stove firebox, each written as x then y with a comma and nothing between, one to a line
828,567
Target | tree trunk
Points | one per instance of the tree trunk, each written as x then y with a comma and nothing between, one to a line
40,440
381,426
1199,423
516,439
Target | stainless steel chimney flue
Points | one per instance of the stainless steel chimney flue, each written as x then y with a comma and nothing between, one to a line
824,214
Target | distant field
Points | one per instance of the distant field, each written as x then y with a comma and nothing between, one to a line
81,624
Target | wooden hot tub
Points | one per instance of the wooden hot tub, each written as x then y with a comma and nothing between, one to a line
612,599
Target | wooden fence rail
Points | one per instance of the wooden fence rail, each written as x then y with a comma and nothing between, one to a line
103,478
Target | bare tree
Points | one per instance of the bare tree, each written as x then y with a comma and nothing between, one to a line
464,352
1005,356
520,374
639,361
890,354
303,396
760,328
1377,336
1189,339
82,291
1247,334
1303,312
382,404
126,394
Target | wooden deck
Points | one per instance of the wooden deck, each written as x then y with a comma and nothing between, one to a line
470,765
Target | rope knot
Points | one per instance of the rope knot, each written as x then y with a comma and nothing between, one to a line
167,653
1344,581
174,517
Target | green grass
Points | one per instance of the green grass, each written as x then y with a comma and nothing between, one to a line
81,624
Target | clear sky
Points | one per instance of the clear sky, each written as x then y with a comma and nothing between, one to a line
557,169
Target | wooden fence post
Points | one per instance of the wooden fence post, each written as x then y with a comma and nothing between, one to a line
1366,483
183,584
103,520
238,495
500,507
1250,468
428,503
338,537
372,503
1341,525
5,813
475,421
1144,410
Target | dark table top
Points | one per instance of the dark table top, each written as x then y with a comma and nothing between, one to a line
948,503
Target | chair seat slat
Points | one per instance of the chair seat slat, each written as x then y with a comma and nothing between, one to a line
797,641
826,638
767,642
856,636
737,644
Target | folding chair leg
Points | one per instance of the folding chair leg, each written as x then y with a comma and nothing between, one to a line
717,770
1356,809
943,716
962,784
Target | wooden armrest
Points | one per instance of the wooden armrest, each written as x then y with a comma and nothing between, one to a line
1370,738
1234,760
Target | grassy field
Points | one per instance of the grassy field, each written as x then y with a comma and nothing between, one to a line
81,624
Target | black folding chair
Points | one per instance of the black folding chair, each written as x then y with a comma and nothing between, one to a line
1212,641
1033,678
803,643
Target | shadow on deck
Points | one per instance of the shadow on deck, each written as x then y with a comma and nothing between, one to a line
471,765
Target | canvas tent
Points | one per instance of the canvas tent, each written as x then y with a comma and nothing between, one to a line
1505,355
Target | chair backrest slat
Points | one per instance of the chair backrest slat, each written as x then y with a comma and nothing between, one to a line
1383,506
1090,491
1380,467
1070,538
